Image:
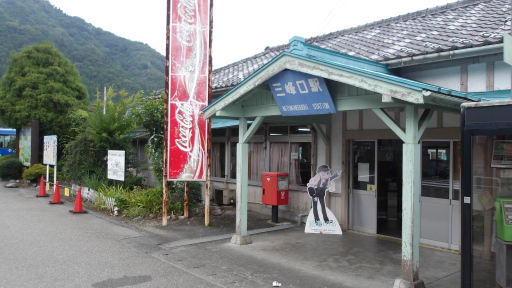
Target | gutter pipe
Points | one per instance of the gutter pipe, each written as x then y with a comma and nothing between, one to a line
453,54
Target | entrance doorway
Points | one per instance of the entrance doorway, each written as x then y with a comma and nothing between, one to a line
440,207
389,198
376,187
376,190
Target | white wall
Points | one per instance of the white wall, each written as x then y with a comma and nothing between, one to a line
502,75
476,77
445,77
371,121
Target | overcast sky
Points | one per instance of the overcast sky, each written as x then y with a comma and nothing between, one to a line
241,28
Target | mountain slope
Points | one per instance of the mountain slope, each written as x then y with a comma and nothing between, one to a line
102,58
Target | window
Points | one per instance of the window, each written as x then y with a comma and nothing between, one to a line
294,158
218,158
256,161
283,149
232,165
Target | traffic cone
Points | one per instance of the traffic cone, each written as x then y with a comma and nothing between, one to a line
78,203
42,189
56,195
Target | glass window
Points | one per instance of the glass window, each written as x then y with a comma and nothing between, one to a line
435,169
300,130
279,157
218,158
364,164
488,183
219,132
457,166
284,156
304,158
232,169
256,161
278,130
294,158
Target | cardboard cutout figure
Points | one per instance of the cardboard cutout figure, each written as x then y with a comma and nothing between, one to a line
317,188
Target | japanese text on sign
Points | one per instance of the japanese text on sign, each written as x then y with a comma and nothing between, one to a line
298,93
50,150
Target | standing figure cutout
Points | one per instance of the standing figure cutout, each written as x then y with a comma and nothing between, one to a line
317,188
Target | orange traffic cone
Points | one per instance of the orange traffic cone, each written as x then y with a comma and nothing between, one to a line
56,195
78,203
42,189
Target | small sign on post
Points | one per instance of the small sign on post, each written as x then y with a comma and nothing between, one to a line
50,156
116,164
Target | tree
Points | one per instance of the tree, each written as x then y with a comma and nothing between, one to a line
41,84
106,127
150,115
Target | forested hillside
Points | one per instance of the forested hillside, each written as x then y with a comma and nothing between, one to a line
102,58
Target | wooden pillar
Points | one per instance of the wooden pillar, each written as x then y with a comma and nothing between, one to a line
242,167
411,202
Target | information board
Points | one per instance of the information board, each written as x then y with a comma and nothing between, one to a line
50,150
116,162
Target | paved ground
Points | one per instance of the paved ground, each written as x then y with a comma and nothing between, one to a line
45,246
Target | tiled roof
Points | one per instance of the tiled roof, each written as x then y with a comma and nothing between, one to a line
454,26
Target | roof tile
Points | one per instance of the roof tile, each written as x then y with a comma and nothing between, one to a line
457,25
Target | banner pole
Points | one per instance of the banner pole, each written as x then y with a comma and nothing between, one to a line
186,198
166,116
209,125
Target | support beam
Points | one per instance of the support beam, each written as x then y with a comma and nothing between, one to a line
242,167
423,122
411,203
254,127
390,122
322,134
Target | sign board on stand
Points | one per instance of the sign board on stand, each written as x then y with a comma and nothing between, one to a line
116,164
50,156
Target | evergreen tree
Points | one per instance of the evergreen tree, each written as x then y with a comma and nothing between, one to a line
41,84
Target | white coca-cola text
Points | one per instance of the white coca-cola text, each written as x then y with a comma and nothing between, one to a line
187,12
184,116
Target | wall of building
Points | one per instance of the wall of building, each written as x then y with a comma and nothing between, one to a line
477,74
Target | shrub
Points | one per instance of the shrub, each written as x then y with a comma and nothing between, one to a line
94,181
10,169
7,157
36,172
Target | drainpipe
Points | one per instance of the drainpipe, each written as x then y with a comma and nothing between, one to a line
454,54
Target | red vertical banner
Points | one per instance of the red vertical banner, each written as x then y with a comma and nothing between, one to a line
188,89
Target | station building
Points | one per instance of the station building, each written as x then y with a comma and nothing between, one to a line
393,127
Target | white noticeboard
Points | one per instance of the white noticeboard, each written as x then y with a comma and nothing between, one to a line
116,165
50,150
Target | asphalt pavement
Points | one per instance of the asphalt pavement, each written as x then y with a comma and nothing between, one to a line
44,245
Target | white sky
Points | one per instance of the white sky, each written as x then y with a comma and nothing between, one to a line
241,28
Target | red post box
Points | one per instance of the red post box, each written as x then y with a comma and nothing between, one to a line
275,188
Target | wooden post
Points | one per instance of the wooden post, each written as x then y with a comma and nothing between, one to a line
209,132
186,197
411,202
166,117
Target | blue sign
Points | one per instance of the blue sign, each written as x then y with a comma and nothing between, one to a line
298,93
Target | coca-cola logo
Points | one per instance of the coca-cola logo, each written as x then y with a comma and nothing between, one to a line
187,12
184,116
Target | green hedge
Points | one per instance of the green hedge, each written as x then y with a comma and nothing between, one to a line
10,169
35,172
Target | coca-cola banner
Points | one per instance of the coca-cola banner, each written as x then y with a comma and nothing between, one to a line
188,89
